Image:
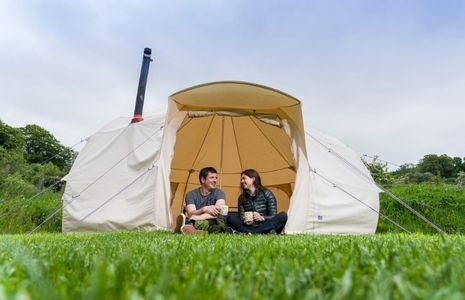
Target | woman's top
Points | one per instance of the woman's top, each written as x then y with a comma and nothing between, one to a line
262,202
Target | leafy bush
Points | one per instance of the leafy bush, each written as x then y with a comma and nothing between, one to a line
14,186
460,181
21,214
379,173
42,176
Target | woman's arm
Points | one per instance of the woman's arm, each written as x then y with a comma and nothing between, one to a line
270,204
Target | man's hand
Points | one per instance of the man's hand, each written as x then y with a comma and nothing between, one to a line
211,210
258,217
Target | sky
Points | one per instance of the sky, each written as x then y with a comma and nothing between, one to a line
385,77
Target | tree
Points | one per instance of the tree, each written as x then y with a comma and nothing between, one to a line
11,149
458,165
442,166
11,138
42,147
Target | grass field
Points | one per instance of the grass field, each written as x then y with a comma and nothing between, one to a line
159,265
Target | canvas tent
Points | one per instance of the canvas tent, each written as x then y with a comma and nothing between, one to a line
135,176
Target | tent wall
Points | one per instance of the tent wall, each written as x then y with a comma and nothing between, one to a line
111,159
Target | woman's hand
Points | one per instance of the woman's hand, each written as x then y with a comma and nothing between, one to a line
258,217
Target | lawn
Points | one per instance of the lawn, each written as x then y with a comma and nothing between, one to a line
161,265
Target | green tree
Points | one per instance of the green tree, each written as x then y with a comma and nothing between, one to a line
458,165
10,138
442,166
11,149
42,147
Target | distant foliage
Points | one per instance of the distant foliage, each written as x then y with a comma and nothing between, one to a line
33,155
442,166
379,172
431,168
41,146
11,138
31,161
461,179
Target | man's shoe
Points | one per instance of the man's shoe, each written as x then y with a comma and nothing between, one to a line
189,229
180,222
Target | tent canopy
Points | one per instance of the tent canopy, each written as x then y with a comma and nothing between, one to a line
234,126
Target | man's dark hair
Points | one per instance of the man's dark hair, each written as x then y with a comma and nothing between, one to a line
205,171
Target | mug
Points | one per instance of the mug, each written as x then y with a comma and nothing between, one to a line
248,216
224,210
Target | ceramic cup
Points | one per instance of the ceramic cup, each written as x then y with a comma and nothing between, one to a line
224,210
248,216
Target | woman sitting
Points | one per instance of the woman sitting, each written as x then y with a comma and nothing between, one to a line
258,202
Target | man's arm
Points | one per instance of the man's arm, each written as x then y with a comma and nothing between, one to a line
206,212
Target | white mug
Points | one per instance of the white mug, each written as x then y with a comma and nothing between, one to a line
248,216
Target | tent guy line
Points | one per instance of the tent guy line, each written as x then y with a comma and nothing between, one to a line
335,153
376,158
354,197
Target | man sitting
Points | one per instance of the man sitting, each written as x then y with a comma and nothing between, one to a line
203,207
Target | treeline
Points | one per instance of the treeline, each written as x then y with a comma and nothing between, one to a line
432,168
31,159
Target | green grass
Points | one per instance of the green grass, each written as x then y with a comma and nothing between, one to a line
158,265
442,204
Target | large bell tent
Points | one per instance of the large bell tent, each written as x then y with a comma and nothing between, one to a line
133,176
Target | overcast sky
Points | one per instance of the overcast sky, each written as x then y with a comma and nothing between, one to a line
385,77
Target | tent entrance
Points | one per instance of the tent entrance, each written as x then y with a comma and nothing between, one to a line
231,143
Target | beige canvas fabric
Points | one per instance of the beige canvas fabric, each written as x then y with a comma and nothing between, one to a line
231,126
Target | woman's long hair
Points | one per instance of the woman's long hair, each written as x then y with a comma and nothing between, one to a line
257,182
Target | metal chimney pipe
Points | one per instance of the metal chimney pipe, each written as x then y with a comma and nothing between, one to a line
144,72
